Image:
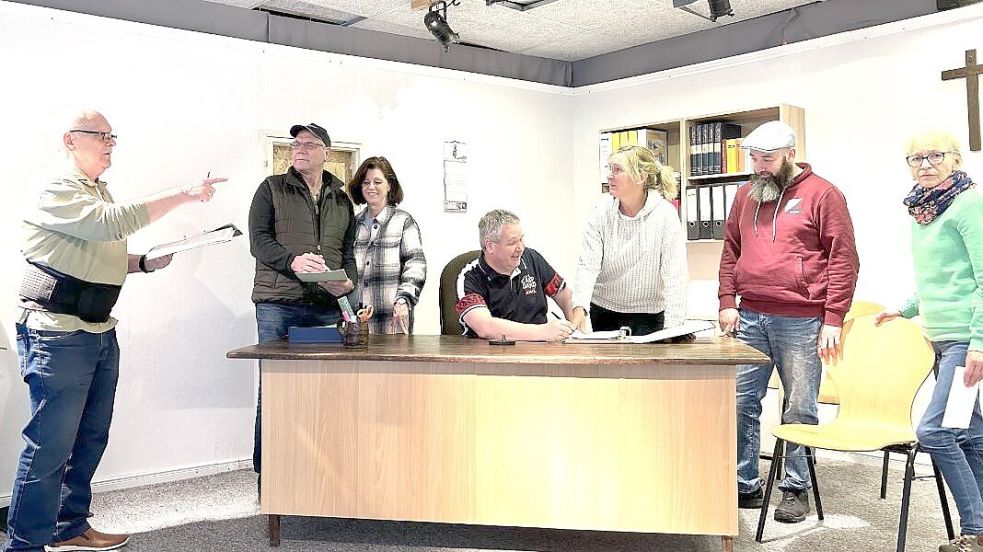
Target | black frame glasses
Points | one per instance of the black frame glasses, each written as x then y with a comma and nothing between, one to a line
934,158
104,136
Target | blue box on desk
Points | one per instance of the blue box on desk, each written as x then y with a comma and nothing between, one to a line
314,334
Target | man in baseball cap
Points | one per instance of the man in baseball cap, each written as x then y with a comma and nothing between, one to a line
789,252
313,128
300,221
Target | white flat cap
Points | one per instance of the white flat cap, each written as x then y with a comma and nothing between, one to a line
770,136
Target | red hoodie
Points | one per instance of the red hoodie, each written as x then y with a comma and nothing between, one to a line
801,261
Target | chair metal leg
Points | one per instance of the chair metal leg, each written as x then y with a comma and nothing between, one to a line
776,458
944,501
811,461
887,458
909,474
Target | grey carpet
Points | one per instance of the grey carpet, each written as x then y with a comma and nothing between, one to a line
220,513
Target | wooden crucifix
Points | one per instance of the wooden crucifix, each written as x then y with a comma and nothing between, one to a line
972,73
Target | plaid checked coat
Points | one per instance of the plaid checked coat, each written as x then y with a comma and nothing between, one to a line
390,260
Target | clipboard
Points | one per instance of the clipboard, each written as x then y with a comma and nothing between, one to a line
338,275
221,234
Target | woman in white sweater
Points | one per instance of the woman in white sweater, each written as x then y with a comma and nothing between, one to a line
632,270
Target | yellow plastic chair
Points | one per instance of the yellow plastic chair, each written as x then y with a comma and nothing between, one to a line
877,378
827,389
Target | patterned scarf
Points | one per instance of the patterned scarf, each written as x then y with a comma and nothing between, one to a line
926,204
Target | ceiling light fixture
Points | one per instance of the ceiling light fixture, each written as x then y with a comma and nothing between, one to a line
436,23
718,8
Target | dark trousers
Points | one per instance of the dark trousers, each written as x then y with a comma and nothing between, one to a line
641,323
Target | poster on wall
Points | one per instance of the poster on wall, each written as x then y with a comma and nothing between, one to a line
455,177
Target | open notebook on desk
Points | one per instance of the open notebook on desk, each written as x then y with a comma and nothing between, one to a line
620,336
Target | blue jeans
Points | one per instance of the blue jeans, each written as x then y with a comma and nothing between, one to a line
790,342
71,377
957,452
272,321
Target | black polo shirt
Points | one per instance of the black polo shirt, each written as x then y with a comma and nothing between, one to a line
519,297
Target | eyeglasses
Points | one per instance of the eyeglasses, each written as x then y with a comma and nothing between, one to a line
104,136
934,158
309,146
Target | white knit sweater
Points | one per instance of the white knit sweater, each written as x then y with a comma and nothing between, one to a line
634,264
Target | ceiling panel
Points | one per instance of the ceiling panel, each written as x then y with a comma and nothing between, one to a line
567,30
312,8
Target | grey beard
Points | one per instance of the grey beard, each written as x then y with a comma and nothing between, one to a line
765,189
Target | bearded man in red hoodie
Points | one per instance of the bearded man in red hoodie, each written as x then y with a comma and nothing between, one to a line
789,253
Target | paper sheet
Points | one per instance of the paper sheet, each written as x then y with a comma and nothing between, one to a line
962,399
219,235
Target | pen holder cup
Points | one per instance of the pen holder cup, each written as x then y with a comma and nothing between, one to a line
356,335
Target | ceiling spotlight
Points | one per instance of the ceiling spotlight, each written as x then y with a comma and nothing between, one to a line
718,8
436,23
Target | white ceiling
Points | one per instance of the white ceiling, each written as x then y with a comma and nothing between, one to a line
566,30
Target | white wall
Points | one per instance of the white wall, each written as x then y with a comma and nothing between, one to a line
185,104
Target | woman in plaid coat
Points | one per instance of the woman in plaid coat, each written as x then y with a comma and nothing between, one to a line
388,249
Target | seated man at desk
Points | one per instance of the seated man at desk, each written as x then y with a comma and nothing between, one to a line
503,293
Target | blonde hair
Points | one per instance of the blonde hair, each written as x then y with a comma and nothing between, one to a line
641,164
943,140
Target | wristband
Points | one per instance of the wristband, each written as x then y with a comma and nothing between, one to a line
143,264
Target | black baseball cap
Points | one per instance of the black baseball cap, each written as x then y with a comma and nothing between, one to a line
313,128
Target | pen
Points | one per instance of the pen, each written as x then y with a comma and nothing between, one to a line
209,175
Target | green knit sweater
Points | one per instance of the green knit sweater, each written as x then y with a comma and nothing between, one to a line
948,259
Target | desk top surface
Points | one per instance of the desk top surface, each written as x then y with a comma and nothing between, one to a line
434,348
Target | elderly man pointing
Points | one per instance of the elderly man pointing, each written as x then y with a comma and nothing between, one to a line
75,248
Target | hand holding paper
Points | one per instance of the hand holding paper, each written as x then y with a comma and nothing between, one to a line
962,400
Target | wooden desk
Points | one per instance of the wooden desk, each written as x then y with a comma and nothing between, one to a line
448,429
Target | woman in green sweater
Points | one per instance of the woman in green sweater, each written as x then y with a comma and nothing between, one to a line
947,247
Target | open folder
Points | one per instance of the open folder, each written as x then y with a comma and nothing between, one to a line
620,336
219,235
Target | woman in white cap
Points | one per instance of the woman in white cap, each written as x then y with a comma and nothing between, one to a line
632,270
947,247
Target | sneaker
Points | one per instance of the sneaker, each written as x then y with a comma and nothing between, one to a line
90,540
794,507
750,501
965,543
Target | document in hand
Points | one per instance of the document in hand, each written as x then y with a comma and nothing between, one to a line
616,336
962,400
219,235
326,276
